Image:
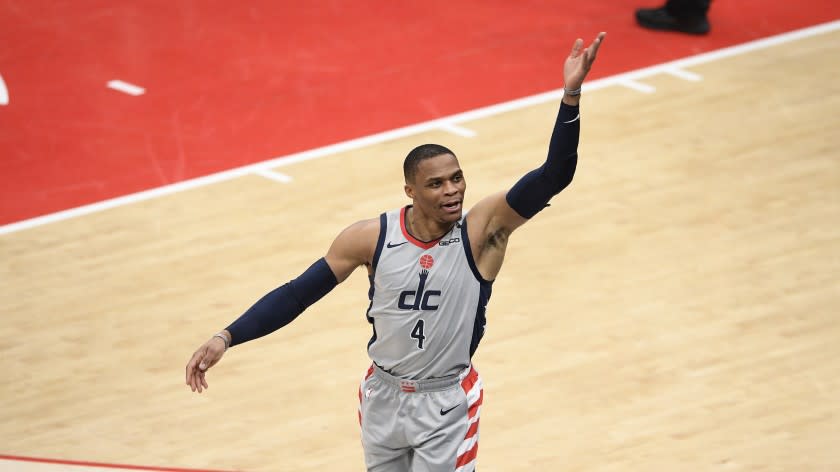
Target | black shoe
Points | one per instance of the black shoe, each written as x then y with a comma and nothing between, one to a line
660,19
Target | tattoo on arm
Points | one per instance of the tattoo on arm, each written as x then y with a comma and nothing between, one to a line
497,239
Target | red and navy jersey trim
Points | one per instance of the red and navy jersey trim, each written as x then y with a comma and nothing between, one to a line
383,229
465,238
485,290
412,239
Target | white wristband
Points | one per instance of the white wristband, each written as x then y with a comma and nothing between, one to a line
224,338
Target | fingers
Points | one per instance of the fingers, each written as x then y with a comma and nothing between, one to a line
200,382
577,47
198,364
212,355
588,53
192,368
592,50
204,358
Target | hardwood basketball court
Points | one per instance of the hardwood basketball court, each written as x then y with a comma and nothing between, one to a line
674,309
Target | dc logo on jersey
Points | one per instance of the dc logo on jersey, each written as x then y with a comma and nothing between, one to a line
420,299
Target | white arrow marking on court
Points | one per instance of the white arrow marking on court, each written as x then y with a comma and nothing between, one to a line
4,92
126,87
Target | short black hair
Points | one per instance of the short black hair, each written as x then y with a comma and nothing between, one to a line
421,152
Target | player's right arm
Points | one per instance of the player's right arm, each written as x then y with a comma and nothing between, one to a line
354,247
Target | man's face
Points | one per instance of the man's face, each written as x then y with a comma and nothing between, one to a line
438,188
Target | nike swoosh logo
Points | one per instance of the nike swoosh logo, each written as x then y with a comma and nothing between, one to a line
443,412
573,119
395,245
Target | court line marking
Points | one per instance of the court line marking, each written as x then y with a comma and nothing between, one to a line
102,465
4,92
637,86
273,175
125,87
459,130
683,74
419,128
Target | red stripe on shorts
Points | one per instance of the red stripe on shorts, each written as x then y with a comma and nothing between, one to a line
468,384
367,376
467,457
474,407
469,380
473,429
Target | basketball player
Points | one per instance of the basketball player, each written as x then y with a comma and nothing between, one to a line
431,269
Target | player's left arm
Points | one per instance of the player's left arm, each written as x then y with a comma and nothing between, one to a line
494,218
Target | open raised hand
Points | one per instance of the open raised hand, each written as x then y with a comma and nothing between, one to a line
580,61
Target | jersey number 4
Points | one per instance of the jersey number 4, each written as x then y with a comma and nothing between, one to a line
417,333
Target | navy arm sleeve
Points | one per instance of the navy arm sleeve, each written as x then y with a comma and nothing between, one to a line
283,304
533,191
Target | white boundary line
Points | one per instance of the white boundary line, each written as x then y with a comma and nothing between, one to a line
273,175
418,128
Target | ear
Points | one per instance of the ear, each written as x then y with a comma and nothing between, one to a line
409,191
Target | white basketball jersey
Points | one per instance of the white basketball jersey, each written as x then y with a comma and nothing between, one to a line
427,301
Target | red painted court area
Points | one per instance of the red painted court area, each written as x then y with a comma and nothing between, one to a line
233,83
